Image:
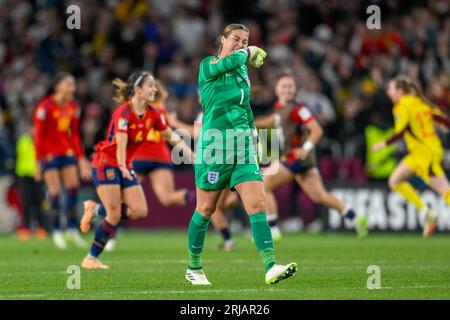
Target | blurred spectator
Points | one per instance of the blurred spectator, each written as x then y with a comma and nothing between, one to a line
6,150
8,216
31,192
319,104
189,31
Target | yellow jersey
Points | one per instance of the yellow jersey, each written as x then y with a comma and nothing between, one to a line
414,117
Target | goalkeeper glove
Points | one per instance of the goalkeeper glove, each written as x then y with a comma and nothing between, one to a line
255,56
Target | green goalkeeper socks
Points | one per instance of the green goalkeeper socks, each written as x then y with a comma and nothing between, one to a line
196,238
263,239
260,230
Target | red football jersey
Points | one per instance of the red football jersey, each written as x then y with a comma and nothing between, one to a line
57,131
300,114
125,120
155,146
294,117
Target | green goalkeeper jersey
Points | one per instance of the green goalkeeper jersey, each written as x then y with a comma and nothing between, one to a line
224,88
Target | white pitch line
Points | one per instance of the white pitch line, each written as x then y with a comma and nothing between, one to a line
23,296
146,292
309,263
184,261
196,291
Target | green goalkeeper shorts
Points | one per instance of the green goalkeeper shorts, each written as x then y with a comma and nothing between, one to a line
218,175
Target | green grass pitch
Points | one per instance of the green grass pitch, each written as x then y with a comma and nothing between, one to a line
151,265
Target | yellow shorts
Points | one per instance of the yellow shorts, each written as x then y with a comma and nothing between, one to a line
424,164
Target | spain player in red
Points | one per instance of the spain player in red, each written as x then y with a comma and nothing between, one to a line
119,190
59,153
299,132
153,160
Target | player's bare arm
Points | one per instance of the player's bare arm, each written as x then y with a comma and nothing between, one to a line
121,154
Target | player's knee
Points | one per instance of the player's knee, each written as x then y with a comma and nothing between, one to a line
319,197
143,212
73,186
205,209
71,181
113,213
54,193
392,183
256,206
138,211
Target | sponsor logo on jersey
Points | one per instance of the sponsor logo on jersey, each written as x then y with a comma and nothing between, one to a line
214,61
213,177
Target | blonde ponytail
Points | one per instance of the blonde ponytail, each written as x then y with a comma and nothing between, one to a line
121,88
161,93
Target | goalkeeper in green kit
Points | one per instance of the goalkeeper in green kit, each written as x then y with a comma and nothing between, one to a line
226,154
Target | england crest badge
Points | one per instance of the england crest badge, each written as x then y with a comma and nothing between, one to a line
213,177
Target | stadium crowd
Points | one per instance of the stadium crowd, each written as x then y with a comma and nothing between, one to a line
340,64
